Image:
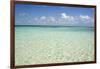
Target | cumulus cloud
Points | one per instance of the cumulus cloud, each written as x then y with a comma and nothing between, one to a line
64,19
43,17
36,19
84,17
52,19
63,15
67,17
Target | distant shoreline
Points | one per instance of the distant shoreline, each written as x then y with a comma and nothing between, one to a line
48,26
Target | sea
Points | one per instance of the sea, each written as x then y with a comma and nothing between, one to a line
53,44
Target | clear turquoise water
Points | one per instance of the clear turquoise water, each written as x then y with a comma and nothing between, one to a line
42,45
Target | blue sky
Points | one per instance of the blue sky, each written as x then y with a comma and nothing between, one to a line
27,14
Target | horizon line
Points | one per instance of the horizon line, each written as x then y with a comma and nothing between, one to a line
54,26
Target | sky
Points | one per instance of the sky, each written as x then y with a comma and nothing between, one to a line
28,14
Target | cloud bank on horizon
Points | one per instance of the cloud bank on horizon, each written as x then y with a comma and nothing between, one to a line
53,15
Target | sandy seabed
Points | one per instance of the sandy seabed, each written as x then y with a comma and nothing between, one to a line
52,45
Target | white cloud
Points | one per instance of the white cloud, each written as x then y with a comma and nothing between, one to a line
52,19
64,19
22,14
67,17
84,17
43,17
72,18
36,19
63,15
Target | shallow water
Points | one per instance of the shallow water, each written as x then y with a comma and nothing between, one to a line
42,45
